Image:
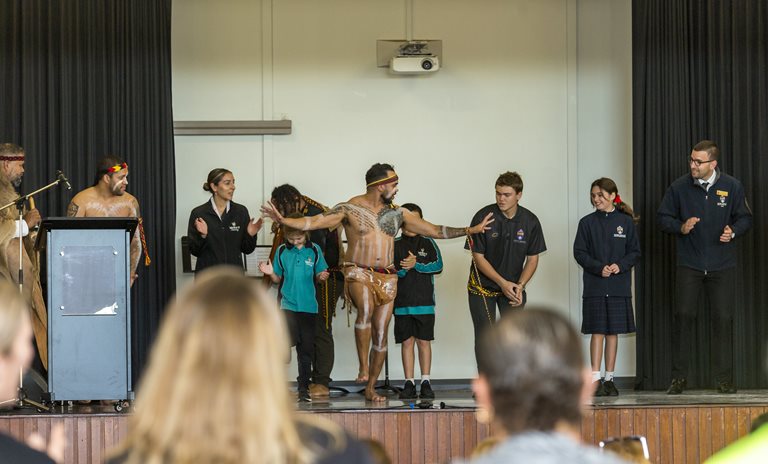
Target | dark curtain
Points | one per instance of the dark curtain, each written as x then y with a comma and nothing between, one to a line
700,71
82,79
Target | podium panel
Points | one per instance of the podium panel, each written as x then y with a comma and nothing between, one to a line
88,270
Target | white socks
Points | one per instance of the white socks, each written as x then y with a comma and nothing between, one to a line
595,376
424,378
608,376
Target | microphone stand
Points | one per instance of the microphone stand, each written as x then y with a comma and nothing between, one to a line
22,399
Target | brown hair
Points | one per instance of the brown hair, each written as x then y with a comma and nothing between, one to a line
710,147
214,177
288,230
533,363
510,179
608,185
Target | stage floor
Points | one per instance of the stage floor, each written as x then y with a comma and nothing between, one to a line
680,429
461,399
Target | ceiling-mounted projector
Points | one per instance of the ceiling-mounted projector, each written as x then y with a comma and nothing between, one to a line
414,57
414,64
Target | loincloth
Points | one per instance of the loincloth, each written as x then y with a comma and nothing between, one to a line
382,283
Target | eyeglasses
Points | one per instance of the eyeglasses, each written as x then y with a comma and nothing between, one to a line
698,163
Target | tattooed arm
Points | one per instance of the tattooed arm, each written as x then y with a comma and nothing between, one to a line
416,225
73,210
328,220
135,244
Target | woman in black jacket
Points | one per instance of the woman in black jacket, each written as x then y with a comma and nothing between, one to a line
220,230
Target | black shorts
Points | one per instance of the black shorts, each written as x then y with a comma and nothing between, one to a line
421,326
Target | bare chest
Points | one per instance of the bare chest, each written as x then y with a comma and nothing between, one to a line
109,209
363,221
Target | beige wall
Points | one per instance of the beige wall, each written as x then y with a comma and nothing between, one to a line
537,86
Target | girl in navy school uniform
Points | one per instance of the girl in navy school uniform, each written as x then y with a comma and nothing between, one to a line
606,247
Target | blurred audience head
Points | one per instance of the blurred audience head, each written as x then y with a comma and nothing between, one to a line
532,374
16,349
215,388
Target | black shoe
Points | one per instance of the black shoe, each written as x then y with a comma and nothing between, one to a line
425,392
726,387
408,392
677,386
304,396
599,388
610,388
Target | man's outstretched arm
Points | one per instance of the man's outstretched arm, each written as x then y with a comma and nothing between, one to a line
414,224
327,220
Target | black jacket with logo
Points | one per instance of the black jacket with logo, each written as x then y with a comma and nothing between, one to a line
603,239
227,237
723,205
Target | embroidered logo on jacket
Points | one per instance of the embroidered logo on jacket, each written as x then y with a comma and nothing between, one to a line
520,235
234,227
619,232
723,197
422,253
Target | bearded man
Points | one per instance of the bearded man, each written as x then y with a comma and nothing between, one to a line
11,173
108,198
371,222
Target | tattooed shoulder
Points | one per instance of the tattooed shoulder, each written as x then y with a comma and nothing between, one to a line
390,220
72,209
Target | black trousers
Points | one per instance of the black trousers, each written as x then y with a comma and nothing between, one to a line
483,319
719,288
301,327
327,294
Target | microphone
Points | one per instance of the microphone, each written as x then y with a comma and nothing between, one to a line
63,179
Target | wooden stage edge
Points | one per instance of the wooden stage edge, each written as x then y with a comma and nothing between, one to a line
677,433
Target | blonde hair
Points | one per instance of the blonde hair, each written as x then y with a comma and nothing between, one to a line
13,311
215,387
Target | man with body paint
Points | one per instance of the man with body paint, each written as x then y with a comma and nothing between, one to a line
108,198
371,222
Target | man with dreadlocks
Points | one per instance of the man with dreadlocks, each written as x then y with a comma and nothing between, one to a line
287,200
108,198
11,173
371,222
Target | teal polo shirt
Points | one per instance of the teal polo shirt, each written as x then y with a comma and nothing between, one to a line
298,268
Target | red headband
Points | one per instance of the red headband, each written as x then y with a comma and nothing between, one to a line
117,167
12,158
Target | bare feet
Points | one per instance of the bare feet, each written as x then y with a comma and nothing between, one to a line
370,395
362,377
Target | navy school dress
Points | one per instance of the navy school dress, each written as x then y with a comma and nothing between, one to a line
603,239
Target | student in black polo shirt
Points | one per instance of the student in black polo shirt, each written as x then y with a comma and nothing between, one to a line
417,259
504,257
606,247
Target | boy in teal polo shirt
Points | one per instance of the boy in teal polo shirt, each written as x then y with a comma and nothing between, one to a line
297,263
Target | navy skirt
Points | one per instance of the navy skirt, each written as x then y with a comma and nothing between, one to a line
607,315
